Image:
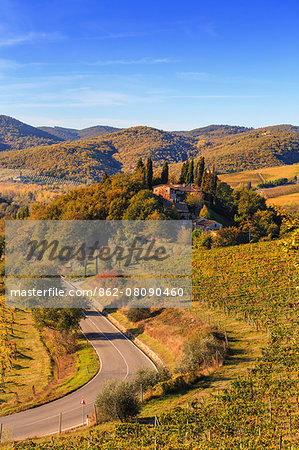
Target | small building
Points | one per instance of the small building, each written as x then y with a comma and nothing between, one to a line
175,192
181,208
206,224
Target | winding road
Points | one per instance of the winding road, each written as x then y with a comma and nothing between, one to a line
119,357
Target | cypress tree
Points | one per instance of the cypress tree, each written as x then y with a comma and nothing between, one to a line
164,173
184,171
140,165
200,167
190,172
149,173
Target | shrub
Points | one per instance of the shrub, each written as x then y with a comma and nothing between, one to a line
198,351
146,377
201,238
230,236
118,401
150,377
137,314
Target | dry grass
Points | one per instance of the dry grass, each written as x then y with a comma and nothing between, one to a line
289,202
165,332
33,367
237,179
280,190
31,193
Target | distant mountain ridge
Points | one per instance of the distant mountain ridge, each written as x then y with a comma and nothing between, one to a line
229,148
72,134
18,135
215,131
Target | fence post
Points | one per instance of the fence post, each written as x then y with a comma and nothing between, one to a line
96,414
1,428
60,423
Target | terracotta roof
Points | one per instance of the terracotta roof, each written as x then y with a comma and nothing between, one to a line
179,187
204,221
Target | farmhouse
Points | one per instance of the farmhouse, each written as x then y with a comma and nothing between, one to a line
175,192
206,224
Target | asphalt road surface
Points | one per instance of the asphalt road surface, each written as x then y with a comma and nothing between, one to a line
119,358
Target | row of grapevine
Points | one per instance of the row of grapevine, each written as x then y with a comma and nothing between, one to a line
7,347
259,410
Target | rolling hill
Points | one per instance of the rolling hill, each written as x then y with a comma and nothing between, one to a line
215,132
264,147
231,149
72,134
16,135
86,160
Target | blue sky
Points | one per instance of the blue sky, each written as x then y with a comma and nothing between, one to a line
167,64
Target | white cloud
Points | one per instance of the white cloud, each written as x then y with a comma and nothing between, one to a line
8,41
145,61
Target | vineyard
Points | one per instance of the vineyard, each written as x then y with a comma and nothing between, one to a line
255,283
280,190
7,347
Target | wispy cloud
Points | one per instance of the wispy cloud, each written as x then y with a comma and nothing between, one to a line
6,64
216,96
8,41
123,35
145,60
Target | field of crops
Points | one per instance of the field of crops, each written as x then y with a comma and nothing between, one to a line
289,202
7,347
237,179
256,283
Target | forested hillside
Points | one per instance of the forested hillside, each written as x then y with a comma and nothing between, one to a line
86,160
229,148
268,147
72,134
215,132
15,135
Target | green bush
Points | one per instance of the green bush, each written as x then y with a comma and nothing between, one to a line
137,314
118,401
198,351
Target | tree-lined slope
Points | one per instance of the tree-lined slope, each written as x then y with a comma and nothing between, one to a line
16,135
87,159
72,134
215,132
265,147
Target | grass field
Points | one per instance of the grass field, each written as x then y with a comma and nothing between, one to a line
278,191
33,367
165,333
27,193
237,179
289,202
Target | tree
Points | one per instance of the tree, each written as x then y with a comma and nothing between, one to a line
149,173
164,173
248,203
184,170
142,206
190,173
200,167
204,212
105,177
140,165
140,169
62,319
118,400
